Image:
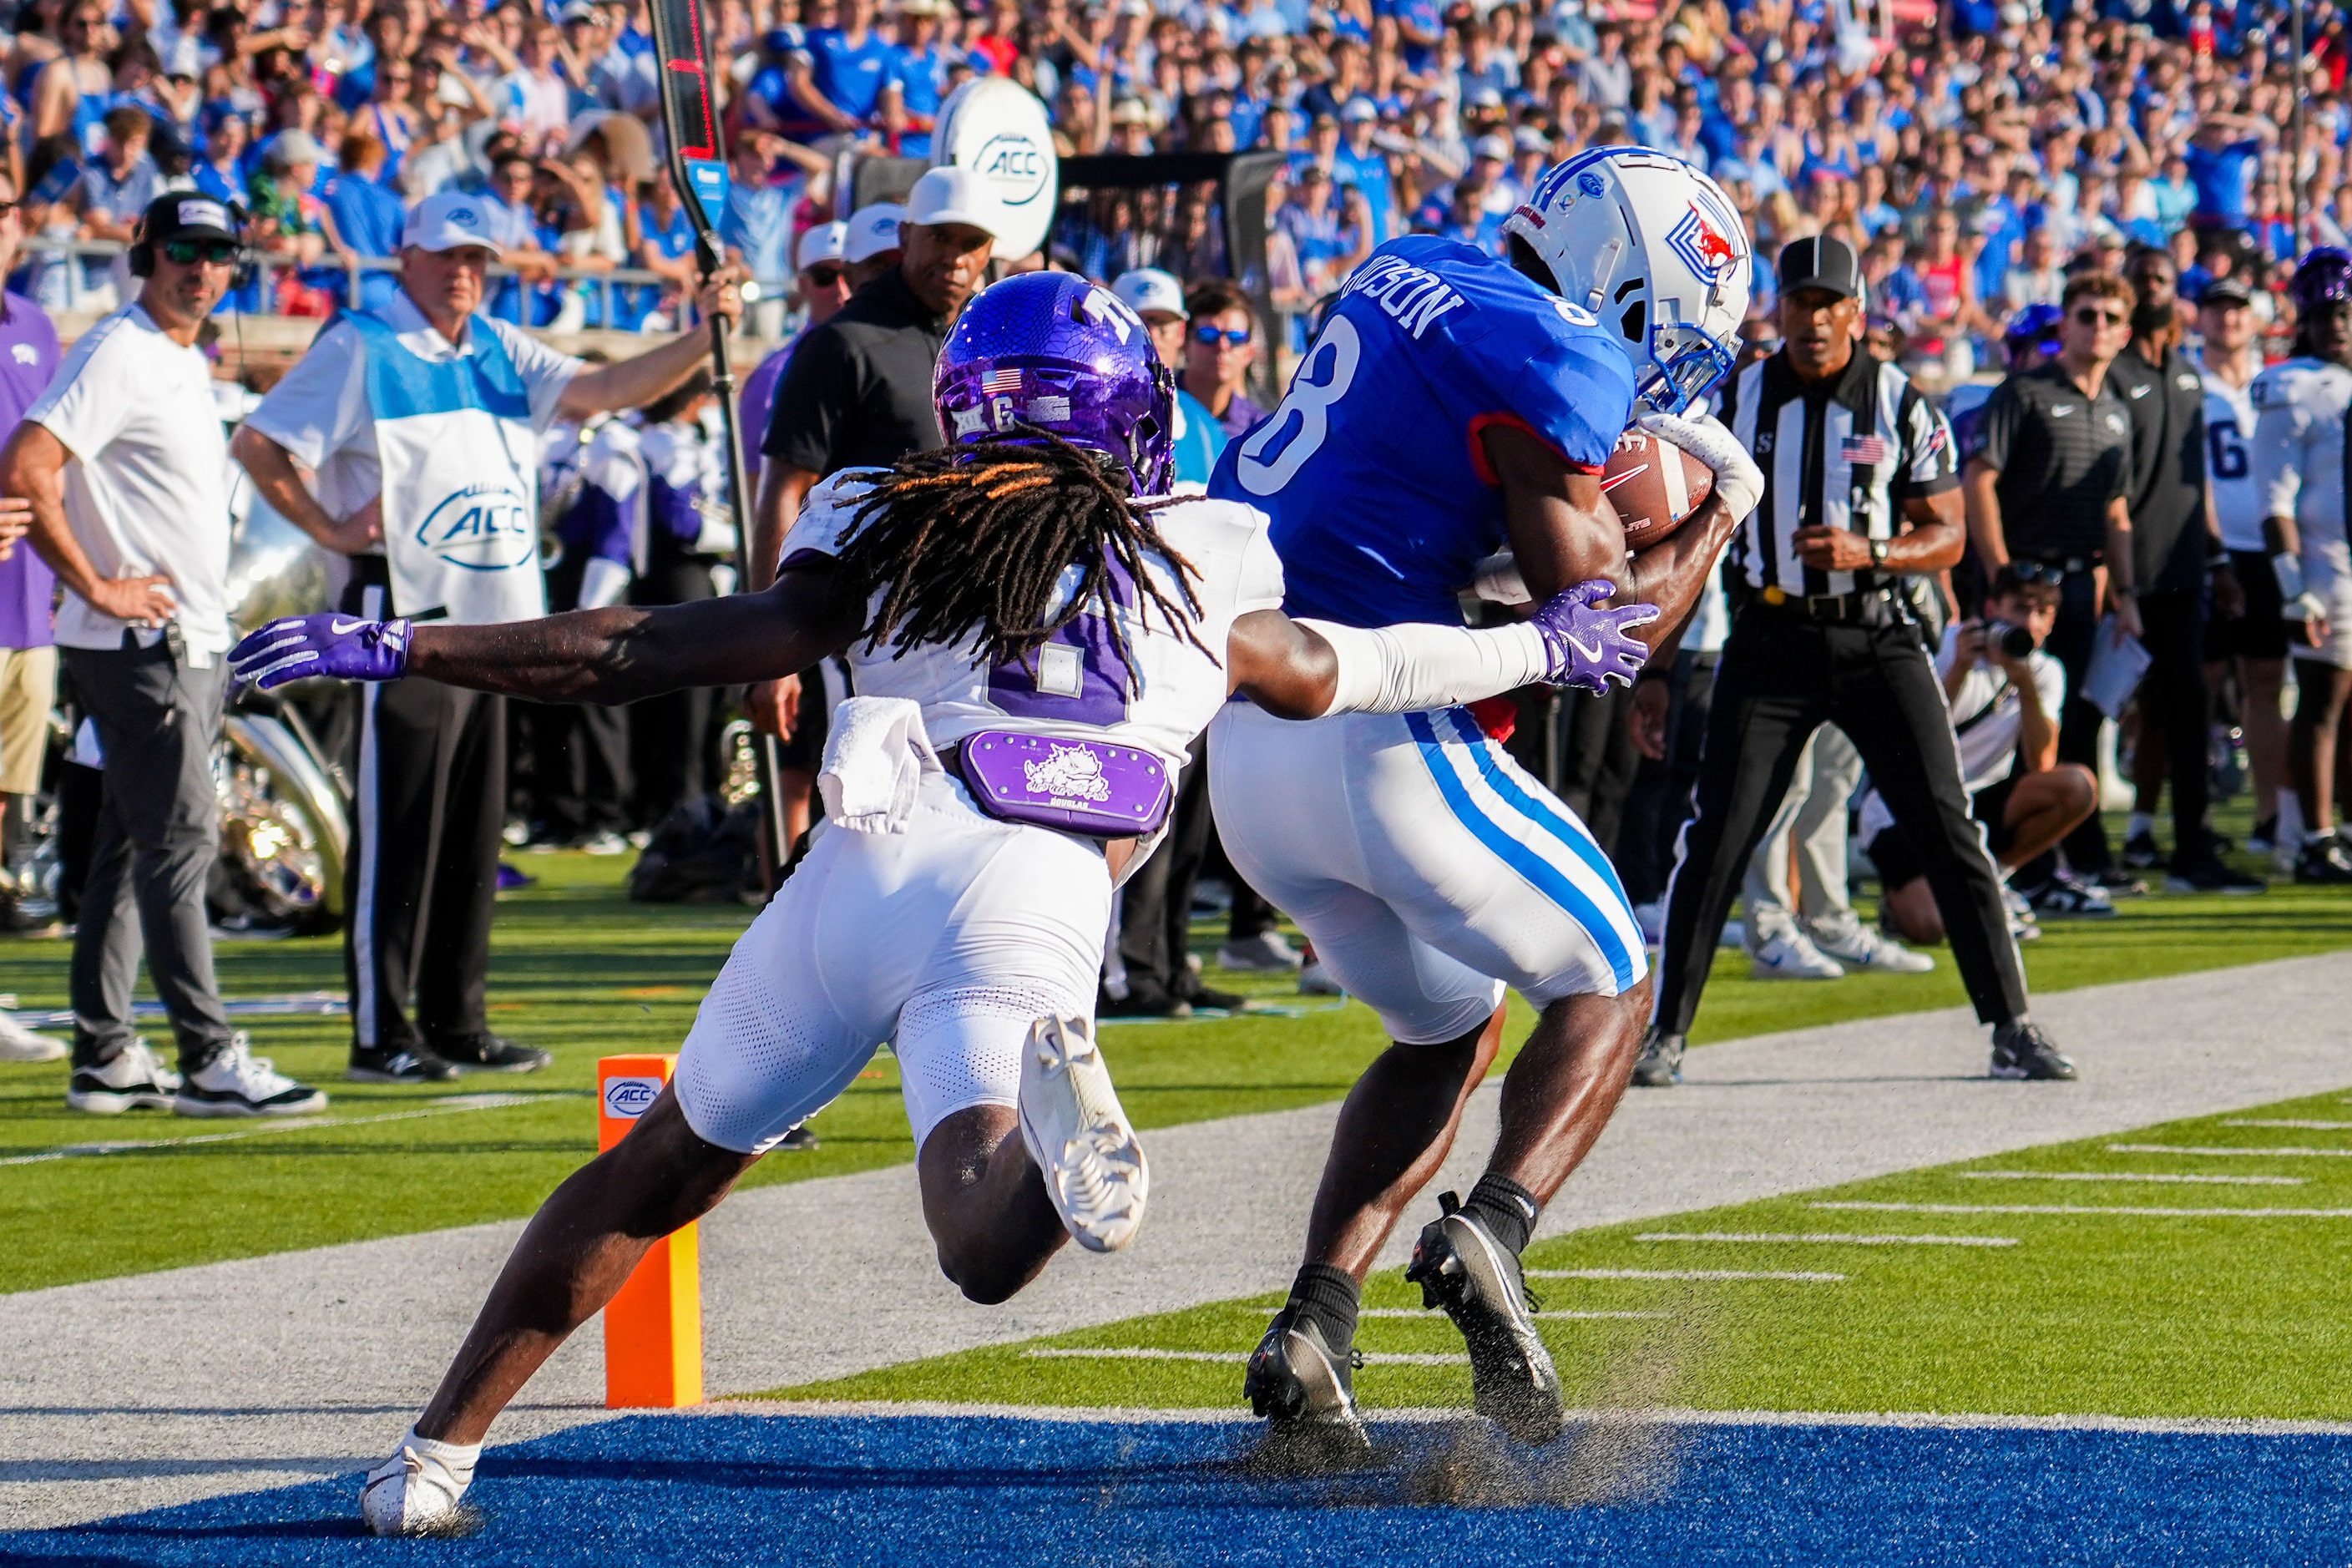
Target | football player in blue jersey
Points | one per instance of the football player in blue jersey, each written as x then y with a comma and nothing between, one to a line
1453,404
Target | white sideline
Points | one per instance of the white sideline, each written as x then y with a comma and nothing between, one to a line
338,1347
2090,1208
1148,1353
1827,1237
453,1105
1808,1276
2289,1121
2128,1176
2225,1149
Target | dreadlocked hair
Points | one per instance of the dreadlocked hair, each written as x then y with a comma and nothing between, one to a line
973,540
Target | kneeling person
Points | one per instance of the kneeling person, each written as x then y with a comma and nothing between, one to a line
2005,704
1035,647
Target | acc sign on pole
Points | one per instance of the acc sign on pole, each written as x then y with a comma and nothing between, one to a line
653,1328
998,129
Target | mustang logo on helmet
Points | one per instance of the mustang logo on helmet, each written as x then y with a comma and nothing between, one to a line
1706,250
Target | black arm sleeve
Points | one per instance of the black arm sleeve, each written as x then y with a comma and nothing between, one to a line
815,401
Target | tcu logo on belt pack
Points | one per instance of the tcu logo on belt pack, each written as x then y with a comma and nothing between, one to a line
482,528
1070,773
630,1097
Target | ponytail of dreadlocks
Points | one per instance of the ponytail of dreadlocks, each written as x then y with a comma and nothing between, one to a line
973,540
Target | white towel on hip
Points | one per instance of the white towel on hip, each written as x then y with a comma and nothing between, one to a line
874,759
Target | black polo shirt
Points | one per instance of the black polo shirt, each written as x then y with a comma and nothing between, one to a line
2168,493
2062,456
857,390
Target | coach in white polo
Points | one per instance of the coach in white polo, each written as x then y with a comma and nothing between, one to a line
422,425
123,462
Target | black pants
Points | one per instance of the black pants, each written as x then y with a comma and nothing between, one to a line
158,835
670,739
2173,695
1660,800
1155,908
1782,678
429,800
579,759
2071,643
1598,762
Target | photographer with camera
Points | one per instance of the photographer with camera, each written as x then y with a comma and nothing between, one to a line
2005,694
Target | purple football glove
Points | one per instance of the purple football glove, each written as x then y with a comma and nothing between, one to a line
339,648
1587,644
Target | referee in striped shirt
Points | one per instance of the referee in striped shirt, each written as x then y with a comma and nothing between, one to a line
1860,491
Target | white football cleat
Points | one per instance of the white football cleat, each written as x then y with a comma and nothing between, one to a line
415,1492
1082,1141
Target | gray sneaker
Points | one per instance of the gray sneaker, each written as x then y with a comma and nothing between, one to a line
1854,946
1660,1065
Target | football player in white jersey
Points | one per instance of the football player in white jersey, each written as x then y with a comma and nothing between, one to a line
2298,460
2256,639
1034,648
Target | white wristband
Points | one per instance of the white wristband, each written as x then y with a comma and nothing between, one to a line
1412,668
2288,569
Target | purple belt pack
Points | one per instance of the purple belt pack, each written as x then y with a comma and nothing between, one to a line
1078,786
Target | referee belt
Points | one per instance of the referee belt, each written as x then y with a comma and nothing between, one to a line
1864,606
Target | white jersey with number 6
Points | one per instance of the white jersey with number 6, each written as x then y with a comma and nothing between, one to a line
2229,462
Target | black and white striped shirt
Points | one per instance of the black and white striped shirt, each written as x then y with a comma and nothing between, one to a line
1844,454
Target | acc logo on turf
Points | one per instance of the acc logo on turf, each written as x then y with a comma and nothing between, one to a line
482,528
627,1098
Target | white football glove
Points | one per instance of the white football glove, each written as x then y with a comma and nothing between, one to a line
1737,480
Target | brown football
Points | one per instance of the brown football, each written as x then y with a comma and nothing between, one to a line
1654,486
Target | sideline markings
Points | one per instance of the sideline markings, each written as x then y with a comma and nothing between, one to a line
2220,1148
1832,1236
1808,1276
2129,1176
2289,1121
448,1106
2091,1208
1546,1313
1140,1353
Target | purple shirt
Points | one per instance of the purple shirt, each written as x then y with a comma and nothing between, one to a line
28,358
753,403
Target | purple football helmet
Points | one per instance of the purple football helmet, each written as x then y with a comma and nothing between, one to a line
1054,350
2325,277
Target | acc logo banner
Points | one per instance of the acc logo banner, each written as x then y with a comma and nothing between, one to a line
482,528
1014,165
627,1098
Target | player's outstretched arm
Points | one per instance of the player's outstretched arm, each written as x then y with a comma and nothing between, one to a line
608,656
1305,669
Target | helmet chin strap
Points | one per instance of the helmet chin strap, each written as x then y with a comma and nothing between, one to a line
1599,293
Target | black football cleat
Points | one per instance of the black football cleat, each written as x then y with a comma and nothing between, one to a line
2021,1050
1477,1281
1305,1389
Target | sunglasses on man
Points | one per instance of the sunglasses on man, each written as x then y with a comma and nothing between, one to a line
190,252
1233,337
826,274
2098,318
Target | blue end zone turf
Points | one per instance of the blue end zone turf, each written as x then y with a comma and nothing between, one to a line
915,1491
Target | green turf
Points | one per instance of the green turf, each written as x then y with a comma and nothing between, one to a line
2085,1314
578,968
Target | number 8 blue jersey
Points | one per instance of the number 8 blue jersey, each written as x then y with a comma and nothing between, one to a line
1371,469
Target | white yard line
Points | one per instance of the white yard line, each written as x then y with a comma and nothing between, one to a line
1826,1236
2289,1121
1138,1353
1809,1276
2200,1149
2128,1176
2090,1208
450,1106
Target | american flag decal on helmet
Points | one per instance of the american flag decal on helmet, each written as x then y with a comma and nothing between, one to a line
1002,379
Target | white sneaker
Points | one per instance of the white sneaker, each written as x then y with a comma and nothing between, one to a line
1265,953
1853,945
238,1083
133,1080
415,1492
1788,955
1082,1141
1314,980
605,843
19,1044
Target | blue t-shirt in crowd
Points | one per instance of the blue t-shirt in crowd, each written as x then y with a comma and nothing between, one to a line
1372,468
368,218
851,76
759,222
1200,439
2224,178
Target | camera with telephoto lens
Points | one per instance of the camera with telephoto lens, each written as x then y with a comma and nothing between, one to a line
2006,641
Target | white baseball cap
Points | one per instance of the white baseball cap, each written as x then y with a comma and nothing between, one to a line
447,219
870,231
825,242
1147,288
1492,146
955,195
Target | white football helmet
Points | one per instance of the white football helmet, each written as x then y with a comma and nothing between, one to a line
1653,249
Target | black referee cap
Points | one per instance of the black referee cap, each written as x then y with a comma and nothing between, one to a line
1820,262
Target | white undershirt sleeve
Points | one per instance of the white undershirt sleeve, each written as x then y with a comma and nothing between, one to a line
1411,668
